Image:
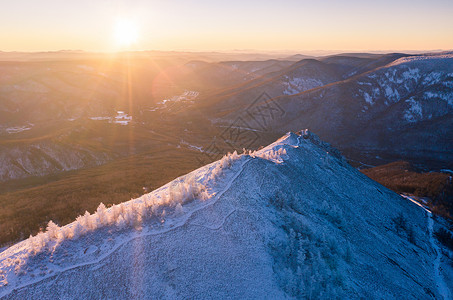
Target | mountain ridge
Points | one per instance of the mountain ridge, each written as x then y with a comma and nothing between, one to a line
373,108
262,224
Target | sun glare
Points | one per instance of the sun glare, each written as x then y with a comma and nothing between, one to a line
126,32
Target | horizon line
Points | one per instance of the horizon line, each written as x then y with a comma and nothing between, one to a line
232,51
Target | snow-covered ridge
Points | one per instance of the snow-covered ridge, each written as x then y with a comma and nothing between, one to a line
292,220
165,203
445,55
418,83
131,213
295,85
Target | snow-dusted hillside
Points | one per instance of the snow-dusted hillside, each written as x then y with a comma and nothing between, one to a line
299,77
292,220
422,86
403,109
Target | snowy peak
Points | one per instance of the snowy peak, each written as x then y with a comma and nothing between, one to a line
419,58
290,220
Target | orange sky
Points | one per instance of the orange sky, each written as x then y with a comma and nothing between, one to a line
213,25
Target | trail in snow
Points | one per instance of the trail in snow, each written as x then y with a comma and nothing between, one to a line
426,208
440,283
171,226
217,226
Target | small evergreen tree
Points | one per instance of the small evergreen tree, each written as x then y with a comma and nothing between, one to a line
52,230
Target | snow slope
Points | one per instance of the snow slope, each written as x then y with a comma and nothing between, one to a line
292,220
402,109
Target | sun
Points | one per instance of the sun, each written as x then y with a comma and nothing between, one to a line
126,32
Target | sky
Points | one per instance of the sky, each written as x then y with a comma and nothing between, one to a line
205,25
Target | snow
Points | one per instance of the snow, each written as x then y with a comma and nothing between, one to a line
441,285
132,212
166,197
418,84
121,122
432,78
410,74
369,95
417,77
295,85
198,148
187,96
391,93
421,58
445,96
121,118
17,129
368,98
448,84
414,112
292,220
416,202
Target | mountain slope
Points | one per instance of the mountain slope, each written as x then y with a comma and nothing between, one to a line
403,109
293,79
291,220
300,76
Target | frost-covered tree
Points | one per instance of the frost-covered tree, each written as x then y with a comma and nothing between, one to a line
53,230
77,229
135,211
121,223
101,214
178,209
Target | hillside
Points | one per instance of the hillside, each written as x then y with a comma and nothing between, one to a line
290,220
401,109
29,204
80,110
391,106
295,78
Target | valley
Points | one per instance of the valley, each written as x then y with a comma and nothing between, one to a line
149,120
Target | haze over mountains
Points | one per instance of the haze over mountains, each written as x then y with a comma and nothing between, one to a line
382,104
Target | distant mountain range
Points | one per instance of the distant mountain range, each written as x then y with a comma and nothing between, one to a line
376,108
390,106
